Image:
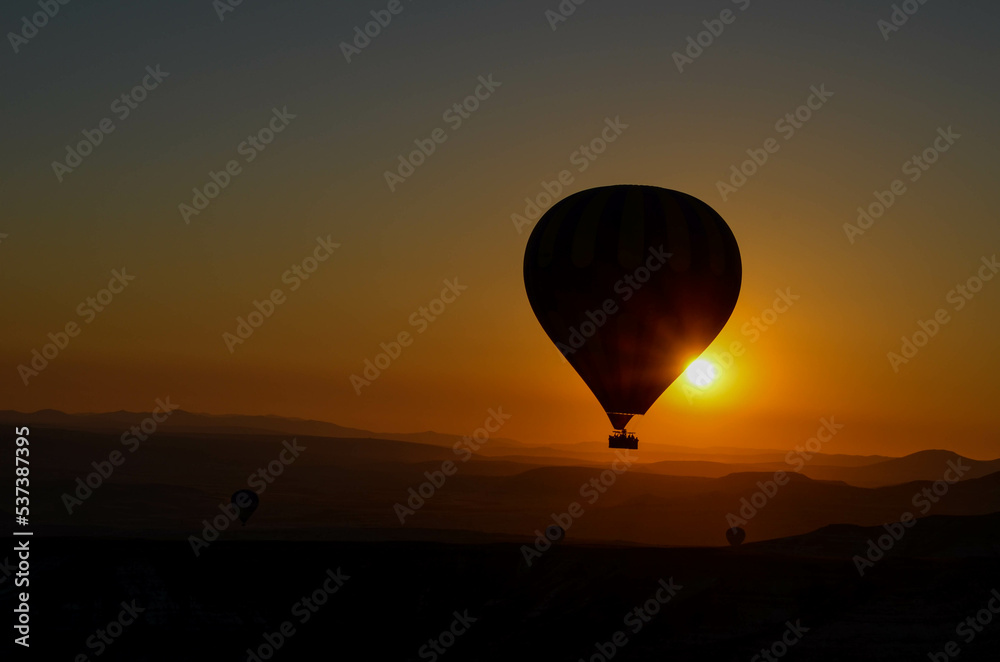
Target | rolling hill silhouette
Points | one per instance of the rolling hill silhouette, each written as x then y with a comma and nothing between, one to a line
334,507
344,487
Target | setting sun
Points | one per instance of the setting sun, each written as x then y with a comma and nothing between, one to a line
701,373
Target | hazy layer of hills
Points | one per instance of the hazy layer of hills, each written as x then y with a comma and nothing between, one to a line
353,484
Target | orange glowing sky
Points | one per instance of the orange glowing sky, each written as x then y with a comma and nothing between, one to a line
324,177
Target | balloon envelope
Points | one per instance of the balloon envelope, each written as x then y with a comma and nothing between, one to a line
246,501
631,283
735,536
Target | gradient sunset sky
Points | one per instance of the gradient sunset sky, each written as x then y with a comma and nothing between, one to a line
323,176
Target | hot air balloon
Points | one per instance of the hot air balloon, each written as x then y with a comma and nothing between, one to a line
631,283
246,501
735,536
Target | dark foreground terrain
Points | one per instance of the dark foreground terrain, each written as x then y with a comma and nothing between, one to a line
452,583
729,604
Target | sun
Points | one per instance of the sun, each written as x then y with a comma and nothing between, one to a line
701,373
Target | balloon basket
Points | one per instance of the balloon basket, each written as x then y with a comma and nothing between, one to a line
623,439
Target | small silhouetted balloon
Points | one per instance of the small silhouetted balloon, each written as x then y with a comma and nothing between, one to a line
246,501
735,536
555,533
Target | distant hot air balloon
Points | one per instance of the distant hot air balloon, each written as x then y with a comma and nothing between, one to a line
735,536
247,502
631,283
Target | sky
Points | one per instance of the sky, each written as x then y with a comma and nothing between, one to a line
392,243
